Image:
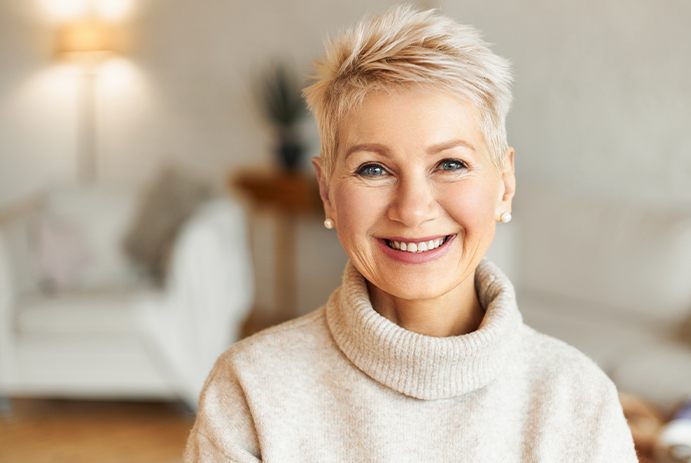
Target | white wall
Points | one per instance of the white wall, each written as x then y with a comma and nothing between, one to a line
602,91
602,95
36,115
602,88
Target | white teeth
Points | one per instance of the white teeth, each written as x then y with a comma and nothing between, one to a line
422,246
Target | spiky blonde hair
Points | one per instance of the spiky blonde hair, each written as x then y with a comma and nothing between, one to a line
405,47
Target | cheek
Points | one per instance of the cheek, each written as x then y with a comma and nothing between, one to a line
356,211
473,208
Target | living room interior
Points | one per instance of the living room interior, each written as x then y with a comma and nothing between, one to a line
157,203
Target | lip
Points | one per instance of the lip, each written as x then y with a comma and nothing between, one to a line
416,258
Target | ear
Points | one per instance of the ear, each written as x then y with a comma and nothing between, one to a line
323,187
508,179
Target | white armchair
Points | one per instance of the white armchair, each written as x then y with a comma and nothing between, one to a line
114,335
210,290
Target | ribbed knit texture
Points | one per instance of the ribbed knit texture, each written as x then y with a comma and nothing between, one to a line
345,384
420,366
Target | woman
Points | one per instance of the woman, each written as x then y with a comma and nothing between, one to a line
421,354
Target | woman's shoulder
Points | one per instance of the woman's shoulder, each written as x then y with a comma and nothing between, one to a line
551,359
265,368
292,339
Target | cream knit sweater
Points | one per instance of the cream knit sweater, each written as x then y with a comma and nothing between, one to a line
344,384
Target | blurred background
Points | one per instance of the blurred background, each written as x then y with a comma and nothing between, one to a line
157,201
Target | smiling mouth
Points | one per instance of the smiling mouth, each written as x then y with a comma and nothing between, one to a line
416,247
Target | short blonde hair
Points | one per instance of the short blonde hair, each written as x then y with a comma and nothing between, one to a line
404,47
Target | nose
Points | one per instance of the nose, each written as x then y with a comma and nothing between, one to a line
414,201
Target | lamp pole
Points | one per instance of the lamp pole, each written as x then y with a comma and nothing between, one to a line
87,150
89,41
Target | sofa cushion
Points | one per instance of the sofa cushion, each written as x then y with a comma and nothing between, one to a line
88,313
634,257
640,358
660,372
80,230
62,253
162,211
598,331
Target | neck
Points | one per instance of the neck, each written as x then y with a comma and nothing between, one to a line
452,314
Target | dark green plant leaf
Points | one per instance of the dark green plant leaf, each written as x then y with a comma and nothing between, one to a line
280,97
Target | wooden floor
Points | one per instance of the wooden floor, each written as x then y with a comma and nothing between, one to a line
56,431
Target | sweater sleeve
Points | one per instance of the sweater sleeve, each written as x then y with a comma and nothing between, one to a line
611,437
224,430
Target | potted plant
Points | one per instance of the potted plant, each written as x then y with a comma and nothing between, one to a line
281,101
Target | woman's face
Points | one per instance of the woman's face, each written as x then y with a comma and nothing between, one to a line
414,194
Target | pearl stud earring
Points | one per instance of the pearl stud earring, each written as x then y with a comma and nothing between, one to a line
505,217
328,223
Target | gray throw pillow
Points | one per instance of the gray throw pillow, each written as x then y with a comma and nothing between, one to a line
164,207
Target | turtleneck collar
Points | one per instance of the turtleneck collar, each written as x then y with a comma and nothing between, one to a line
421,366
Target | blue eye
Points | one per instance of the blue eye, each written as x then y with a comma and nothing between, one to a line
451,165
371,170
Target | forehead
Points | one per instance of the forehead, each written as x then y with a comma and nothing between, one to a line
410,118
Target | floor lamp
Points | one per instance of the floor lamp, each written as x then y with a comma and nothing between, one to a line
87,42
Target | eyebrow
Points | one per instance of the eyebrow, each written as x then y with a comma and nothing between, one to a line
383,149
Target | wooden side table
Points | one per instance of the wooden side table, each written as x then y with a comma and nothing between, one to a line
289,196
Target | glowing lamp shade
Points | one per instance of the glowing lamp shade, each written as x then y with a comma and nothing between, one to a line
88,42
87,38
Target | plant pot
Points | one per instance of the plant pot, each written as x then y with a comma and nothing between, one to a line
289,155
